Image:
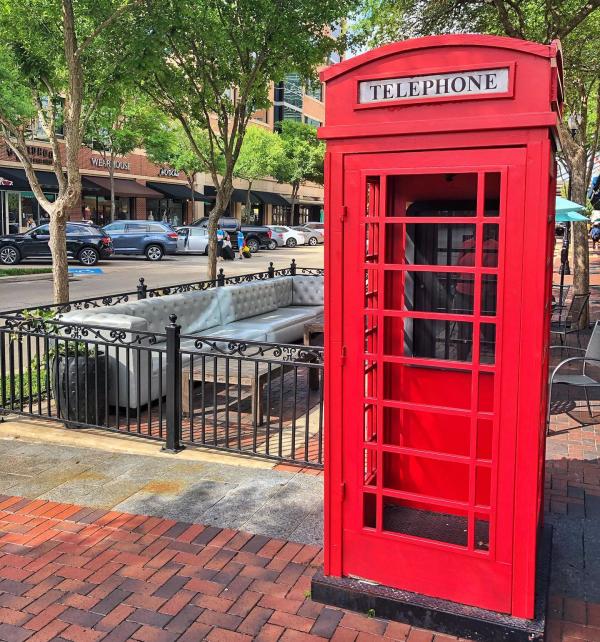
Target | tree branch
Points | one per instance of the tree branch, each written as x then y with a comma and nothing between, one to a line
562,31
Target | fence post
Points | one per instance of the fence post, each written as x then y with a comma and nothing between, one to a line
221,278
293,267
173,443
271,270
142,288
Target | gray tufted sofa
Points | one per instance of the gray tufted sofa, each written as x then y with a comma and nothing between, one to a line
273,310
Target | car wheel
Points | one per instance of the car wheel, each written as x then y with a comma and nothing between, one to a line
272,245
88,256
312,240
253,245
154,252
291,242
9,255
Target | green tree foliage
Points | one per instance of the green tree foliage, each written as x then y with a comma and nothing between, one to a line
261,153
213,63
59,60
166,143
302,159
576,23
115,129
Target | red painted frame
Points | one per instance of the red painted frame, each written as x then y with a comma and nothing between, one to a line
514,138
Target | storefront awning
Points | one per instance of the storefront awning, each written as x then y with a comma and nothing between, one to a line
124,187
238,195
177,191
304,201
48,181
271,198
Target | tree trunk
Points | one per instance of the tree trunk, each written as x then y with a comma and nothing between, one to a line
111,174
223,197
58,249
248,205
295,190
581,258
192,182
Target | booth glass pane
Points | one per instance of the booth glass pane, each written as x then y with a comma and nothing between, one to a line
371,289
371,242
372,197
483,480
437,292
482,532
369,510
491,232
371,332
427,386
370,379
444,195
435,478
492,194
489,293
427,431
487,343
370,423
370,467
431,244
438,339
416,519
485,428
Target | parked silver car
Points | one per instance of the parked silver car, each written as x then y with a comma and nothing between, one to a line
312,236
192,240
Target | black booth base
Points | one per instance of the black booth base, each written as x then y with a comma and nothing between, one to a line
438,615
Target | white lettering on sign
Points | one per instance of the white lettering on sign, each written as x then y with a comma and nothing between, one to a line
100,162
168,171
464,83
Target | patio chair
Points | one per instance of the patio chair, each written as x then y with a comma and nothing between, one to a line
559,303
581,377
571,321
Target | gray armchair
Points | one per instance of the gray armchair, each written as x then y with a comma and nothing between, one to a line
585,374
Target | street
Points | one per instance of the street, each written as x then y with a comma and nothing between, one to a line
122,274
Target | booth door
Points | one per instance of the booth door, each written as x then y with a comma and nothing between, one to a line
433,253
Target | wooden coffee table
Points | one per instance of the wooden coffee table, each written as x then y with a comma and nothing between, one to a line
249,379
312,330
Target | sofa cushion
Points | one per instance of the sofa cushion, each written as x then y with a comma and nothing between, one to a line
283,317
246,300
195,310
283,291
245,330
307,290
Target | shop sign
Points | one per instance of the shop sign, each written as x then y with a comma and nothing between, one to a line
37,154
4,182
97,161
168,171
448,85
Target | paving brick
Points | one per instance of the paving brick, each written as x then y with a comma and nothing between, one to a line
420,635
154,634
327,622
223,635
13,633
222,620
49,632
255,620
195,632
83,618
151,618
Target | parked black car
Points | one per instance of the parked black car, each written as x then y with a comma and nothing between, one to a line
256,236
86,243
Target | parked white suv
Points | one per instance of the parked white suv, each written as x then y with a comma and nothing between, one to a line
284,235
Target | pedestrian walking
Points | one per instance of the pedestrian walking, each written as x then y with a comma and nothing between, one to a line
240,242
220,239
595,234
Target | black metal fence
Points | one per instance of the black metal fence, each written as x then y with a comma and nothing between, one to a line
258,398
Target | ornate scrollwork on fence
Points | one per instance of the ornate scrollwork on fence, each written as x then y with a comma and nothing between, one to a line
255,350
77,332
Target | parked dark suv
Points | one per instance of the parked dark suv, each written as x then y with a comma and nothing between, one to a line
256,236
86,243
154,239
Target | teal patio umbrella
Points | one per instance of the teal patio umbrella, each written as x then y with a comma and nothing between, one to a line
565,205
566,212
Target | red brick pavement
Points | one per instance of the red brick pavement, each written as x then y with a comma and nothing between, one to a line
78,574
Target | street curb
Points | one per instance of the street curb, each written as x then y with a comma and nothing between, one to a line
29,277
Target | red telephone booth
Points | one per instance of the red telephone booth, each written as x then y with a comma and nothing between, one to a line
440,185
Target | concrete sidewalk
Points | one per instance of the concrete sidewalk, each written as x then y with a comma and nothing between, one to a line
214,489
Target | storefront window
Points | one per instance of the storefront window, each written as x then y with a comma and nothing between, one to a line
166,210
281,215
